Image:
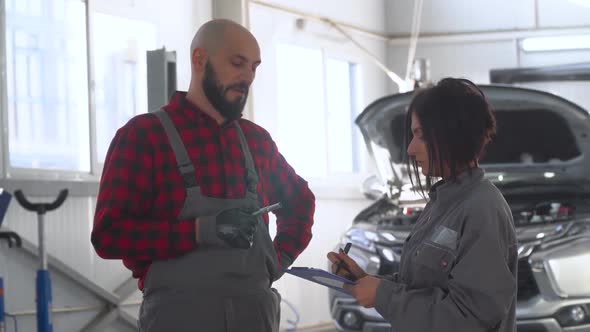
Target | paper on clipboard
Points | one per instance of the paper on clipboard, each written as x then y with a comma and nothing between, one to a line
321,277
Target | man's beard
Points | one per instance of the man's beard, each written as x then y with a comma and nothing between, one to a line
215,92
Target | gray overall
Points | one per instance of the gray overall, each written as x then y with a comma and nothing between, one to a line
215,288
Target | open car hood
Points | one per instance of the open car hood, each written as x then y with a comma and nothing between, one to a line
538,134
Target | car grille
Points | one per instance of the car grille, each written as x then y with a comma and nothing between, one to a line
527,286
531,328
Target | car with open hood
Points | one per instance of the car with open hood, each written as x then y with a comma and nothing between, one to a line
540,161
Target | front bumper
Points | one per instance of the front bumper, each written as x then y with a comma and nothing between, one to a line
547,325
528,319
552,279
538,315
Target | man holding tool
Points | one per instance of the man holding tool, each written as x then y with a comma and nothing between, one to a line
179,196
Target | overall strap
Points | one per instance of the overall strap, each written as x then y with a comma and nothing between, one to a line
185,166
251,174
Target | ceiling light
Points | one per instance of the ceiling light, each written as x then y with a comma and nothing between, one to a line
555,43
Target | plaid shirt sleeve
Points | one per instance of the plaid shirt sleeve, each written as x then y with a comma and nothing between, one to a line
122,228
295,218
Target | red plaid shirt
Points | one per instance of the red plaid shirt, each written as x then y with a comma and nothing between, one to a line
142,192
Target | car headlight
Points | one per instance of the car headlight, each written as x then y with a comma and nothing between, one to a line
367,238
362,238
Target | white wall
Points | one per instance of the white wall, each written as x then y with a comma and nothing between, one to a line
271,27
560,13
471,60
453,16
366,14
176,21
336,206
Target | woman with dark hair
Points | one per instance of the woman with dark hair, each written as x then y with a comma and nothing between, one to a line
458,266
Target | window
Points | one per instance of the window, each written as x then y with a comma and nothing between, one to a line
120,72
555,43
48,109
342,134
47,84
318,102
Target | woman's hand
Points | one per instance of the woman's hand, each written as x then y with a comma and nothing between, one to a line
366,286
349,269
365,290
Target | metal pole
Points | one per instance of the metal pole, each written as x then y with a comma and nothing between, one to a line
41,235
43,282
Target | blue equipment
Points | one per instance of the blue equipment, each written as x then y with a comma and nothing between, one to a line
44,323
13,239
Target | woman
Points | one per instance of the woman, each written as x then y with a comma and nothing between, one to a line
458,267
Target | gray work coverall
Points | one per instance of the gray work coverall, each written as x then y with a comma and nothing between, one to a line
458,267
215,288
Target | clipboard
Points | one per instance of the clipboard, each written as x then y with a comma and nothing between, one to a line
321,277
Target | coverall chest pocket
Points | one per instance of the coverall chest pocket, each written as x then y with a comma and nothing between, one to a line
432,264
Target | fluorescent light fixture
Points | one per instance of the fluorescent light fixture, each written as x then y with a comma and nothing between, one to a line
555,43
584,3
549,175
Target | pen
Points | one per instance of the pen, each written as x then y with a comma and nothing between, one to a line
267,209
346,249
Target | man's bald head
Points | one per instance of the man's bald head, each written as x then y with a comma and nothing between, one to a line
224,58
214,33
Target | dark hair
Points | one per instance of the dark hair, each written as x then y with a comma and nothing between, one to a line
457,123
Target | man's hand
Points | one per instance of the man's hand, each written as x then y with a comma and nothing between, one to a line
349,269
237,227
365,290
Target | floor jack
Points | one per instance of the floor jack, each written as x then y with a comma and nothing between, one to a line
43,287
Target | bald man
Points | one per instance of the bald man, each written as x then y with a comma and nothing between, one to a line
178,194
